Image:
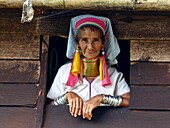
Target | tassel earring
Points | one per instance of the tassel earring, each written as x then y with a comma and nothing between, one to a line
104,75
101,64
75,69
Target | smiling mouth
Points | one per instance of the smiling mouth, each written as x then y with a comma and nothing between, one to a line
90,52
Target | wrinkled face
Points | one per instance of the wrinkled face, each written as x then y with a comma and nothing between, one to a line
90,42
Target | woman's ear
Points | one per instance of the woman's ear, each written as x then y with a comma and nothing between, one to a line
78,48
76,39
105,37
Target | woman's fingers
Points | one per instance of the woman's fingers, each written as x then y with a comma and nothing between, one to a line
75,103
90,104
87,111
90,114
80,109
84,110
77,107
71,106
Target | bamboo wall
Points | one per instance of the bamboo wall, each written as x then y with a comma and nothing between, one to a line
23,70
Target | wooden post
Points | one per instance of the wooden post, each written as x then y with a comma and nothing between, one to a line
43,80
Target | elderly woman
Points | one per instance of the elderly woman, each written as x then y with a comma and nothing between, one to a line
90,80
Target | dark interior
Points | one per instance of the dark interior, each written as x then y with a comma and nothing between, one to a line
57,57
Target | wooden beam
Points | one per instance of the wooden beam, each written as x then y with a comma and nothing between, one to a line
23,46
10,23
18,117
18,95
150,97
106,117
19,71
150,50
141,26
125,25
93,4
150,73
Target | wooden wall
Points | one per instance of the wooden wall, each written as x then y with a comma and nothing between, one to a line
23,65
126,25
22,73
150,74
149,36
149,71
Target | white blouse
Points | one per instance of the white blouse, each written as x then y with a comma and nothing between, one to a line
85,89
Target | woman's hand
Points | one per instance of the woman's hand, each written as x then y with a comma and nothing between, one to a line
126,100
75,103
89,105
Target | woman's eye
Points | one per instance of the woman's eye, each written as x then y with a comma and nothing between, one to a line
96,40
84,39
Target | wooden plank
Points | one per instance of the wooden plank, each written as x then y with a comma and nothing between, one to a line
146,50
43,81
19,71
106,117
142,27
150,73
17,117
11,22
150,97
23,46
57,25
125,25
18,94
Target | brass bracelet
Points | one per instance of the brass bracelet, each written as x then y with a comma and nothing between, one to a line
112,100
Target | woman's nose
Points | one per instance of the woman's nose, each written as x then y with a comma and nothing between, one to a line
90,45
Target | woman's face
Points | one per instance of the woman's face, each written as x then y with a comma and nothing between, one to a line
90,42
